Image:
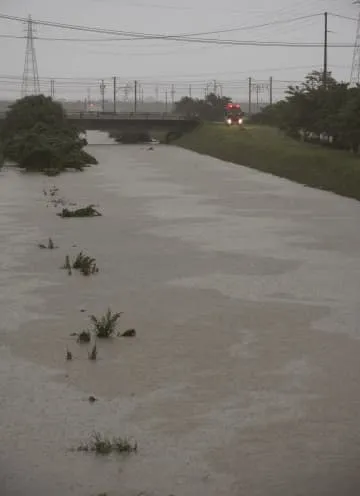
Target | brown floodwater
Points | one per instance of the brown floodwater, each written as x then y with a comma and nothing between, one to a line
244,376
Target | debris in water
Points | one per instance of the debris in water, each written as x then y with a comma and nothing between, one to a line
130,333
93,353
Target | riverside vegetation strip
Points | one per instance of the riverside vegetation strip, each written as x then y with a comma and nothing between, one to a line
311,136
269,150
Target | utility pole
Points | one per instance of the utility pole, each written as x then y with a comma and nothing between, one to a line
190,92
126,92
114,93
139,92
88,98
172,95
325,49
250,94
135,96
208,85
102,91
166,101
52,88
355,66
271,90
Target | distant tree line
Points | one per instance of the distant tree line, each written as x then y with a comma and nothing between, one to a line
211,108
317,110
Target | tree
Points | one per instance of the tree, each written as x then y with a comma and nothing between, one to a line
348,123
37,135
210,109
329,112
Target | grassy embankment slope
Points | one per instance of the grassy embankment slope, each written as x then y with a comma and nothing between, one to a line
268,150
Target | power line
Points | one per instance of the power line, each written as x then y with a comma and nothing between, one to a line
95,80
255,26
218,31
186,38
343,17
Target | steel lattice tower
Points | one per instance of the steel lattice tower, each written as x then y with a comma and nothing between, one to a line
355,68
30,81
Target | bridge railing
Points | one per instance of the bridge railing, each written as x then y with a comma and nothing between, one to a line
126,115
79,114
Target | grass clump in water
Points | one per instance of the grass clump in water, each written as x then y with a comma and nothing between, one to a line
50,245
88,211
84,337
86,264
103,445
67,265
124,445
105,326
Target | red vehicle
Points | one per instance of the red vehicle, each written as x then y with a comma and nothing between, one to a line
233,114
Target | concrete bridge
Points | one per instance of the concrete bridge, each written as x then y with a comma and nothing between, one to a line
174,125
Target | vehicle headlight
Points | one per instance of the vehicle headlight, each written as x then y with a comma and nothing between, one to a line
229,121
240,121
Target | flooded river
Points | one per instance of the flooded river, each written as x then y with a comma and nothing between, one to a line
244,376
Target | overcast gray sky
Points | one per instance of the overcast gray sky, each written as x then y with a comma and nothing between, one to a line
177,62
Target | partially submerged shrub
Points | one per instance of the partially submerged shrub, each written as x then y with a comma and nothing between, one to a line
84,337
50,245
103,445
69,355
37,135
130,333
124,445
105,326
93,353
88,159
67,265
86,264
88,211
97,444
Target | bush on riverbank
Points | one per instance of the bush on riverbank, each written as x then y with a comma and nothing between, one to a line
270,150
324,112
37,136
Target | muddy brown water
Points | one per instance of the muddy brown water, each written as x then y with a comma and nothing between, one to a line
244,377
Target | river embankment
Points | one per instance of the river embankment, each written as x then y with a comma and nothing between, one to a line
269,150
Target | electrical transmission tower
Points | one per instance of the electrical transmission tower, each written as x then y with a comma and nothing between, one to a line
355,68
30,82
